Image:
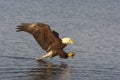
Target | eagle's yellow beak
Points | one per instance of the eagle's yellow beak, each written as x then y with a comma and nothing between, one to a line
71,42
71,55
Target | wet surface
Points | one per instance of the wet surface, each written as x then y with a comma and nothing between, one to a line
94,25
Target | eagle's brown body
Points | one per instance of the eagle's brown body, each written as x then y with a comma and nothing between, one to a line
47,39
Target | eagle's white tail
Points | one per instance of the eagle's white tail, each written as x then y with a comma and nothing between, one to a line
48,55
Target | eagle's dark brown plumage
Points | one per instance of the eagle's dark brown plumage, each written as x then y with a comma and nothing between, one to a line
47,39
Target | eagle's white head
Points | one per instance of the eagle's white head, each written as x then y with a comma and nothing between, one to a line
67,41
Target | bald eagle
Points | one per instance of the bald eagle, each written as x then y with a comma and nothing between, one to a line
48,40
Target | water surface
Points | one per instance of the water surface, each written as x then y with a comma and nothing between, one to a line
94,25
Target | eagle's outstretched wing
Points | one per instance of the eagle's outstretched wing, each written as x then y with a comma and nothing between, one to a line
42,33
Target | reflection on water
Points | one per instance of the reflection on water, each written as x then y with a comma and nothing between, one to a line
44,70
50,71
29,69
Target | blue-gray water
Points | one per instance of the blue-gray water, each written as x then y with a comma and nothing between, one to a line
94,25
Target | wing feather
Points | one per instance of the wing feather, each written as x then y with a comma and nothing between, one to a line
56,34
